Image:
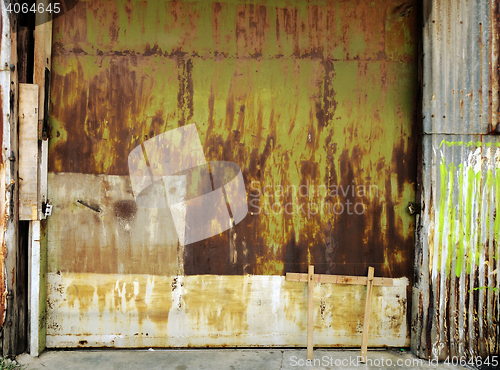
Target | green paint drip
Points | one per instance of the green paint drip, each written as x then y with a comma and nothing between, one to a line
451,218
468,144
489,187
496,226
460,254
468,211
479,248
442,202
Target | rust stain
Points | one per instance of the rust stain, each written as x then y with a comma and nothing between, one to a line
185,94
125,210
143,295
82,294
223,309
1,116
3,208
3,246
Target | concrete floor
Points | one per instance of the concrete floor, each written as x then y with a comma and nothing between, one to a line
224,359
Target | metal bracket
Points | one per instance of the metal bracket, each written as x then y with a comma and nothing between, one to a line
48,210
93,208
413,209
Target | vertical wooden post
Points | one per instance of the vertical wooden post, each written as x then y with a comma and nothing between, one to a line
368,311
310,316
11,285
41,77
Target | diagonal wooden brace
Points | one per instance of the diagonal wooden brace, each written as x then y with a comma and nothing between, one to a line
312,278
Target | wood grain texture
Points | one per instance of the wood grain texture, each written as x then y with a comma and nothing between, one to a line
339,279
310,312
368,310
12,297
24,40
42,77
28,151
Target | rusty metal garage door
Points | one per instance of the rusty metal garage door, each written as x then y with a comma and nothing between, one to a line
315,101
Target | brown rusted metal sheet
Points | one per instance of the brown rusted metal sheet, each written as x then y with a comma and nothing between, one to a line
315,101
315,98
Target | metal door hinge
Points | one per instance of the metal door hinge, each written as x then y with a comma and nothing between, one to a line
47,209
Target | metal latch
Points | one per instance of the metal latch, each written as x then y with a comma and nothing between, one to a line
412,208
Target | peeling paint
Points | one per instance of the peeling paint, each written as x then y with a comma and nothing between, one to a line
3,247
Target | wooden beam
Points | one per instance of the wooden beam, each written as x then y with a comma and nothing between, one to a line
24,47
368,311
312,278
41,77
12,297
339,279
28,152
310,312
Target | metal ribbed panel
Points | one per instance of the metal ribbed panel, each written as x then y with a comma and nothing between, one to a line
456,66
455,295
461,234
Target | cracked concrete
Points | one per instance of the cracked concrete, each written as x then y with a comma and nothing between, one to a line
225,359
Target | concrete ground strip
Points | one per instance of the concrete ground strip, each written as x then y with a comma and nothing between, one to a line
226,359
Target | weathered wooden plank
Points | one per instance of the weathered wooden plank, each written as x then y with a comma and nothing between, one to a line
41,77
368,311
9,307
339,279
310,312
28,152
24,45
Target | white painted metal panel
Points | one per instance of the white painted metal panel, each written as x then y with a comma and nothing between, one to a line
115,310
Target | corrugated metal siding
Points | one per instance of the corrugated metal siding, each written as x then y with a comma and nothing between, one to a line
461,232
458,237
456,66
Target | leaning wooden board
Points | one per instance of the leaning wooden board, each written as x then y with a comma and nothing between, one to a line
312,278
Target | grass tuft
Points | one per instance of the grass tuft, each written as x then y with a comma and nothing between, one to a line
7,364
